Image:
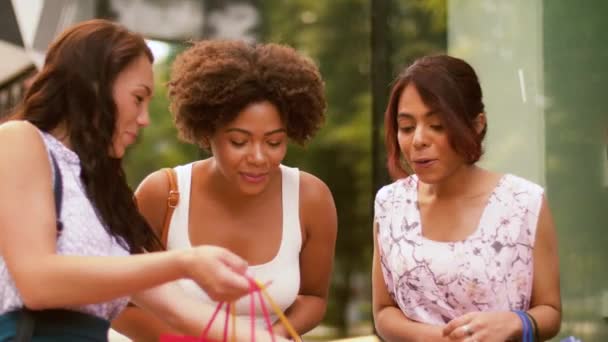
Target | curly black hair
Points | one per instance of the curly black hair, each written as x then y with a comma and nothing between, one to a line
214,80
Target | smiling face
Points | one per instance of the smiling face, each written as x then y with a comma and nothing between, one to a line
132,92
249,149
423,139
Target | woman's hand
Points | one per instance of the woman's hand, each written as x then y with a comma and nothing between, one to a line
216,270
484,327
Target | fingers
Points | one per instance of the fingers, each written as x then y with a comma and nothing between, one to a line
231,279
464,332
233,261
456,323
229,285
219,272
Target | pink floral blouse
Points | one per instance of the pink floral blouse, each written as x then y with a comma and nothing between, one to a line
434,282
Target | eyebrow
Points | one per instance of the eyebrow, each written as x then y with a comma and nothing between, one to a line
411,116
244,131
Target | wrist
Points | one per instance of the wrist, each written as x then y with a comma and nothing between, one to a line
182,259
516,326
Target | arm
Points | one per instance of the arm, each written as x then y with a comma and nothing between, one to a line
545,304
134,322
48,280
190,317
319,220
390,322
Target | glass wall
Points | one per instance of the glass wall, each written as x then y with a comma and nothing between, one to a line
544,69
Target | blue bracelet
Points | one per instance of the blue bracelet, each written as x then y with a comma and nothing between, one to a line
524,334
527,326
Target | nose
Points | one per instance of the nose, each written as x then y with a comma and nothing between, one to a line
143,119
256,155
420,139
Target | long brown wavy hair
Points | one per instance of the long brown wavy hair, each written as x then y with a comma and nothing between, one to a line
74,91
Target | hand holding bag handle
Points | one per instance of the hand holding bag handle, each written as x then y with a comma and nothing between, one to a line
256,288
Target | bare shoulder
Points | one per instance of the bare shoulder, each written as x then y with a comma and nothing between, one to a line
20,132
151,195
317,207
27,150
313,191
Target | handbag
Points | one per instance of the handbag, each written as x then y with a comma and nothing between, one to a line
256,290
172,201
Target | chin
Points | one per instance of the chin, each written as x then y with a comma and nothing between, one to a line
252,189
430,178
117,152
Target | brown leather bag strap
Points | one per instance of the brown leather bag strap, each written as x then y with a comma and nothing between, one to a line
172,201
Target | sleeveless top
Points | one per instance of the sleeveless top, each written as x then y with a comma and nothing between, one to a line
82,234
283,270
433,282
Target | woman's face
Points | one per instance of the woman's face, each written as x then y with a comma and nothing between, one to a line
423,140
132,92
249,149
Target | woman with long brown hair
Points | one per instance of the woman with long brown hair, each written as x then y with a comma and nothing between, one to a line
72,241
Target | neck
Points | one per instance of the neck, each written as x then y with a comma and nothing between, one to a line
60,133
456,184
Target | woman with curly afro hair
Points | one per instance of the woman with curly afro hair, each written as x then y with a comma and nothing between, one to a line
243,103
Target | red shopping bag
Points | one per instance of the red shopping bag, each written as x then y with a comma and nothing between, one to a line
256,290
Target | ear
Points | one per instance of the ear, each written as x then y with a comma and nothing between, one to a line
480,123
205,144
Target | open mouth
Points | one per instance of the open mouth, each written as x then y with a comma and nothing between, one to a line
424,162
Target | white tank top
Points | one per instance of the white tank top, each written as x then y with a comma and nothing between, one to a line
283,270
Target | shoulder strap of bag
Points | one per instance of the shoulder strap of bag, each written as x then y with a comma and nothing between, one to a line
58,192
27,320
172,201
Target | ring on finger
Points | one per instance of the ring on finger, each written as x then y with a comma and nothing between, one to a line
467,330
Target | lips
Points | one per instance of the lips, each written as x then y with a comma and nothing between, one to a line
423,162
254,177
131,137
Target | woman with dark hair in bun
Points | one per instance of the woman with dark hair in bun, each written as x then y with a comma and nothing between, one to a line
460,253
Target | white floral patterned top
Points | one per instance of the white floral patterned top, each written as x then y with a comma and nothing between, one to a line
433,282
82,234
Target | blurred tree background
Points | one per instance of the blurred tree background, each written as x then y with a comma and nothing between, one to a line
337,36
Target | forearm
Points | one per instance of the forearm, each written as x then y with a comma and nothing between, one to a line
393,325
304,315
60,281
189,315
141,325
548,319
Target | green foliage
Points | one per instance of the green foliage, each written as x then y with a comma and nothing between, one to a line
339,41
336,35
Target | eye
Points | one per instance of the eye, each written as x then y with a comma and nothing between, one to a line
275,143
238,143
437,128
407,129
138,99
